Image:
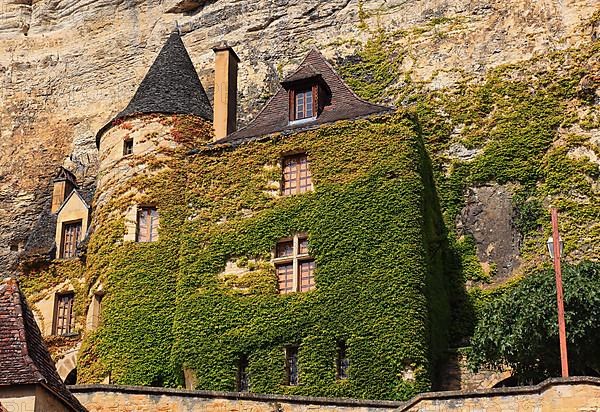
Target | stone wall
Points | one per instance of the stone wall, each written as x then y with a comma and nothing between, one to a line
105,398
557,394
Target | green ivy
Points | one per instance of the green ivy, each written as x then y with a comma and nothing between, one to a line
374,230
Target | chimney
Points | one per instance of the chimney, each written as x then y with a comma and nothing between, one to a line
225,102
64,183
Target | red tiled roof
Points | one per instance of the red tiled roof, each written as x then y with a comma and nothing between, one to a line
24,359
274,116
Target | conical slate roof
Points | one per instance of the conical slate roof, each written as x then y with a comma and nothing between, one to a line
171,86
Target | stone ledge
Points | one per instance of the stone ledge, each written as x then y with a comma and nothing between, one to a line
495,392
145,390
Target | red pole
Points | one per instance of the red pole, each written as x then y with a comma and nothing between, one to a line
562,334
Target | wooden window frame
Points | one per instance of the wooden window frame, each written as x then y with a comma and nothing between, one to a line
149,238
299,188
128,146
303,89
63,239
296,259
291,379
70,319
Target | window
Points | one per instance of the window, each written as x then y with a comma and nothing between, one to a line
304,104
294,266
342,362
242,374
96,309
64,321
296,175
147,224
127,146
70,236
291,365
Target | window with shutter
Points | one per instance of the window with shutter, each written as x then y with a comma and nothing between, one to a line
71,233
294,266
64,322
147,224
304,102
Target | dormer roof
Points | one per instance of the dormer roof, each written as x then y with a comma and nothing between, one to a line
171,86
24,359
275,115
63,174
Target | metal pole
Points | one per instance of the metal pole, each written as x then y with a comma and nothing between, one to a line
559,296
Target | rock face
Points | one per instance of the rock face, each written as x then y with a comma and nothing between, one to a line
489,218
67,66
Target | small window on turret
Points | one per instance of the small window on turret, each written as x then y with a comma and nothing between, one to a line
128,146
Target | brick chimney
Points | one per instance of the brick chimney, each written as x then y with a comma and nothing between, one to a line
225,102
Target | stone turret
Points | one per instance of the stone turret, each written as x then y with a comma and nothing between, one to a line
170,91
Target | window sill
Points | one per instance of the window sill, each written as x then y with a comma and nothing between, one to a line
302,121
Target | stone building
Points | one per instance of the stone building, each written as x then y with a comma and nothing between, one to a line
301,254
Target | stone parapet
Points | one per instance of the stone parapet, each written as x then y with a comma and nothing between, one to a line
580,393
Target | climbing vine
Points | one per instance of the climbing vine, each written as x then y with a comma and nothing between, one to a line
374,231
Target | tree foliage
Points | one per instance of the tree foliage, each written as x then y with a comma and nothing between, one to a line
519,329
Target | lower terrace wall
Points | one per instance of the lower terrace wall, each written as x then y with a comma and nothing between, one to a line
581,394
105,398
576,394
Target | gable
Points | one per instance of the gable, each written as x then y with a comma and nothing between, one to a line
275,115
73,204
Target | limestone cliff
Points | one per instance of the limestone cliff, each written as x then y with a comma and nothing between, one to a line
67,66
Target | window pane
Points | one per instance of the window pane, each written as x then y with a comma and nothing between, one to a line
307,280
342,361
128,147
292,365
147,228
302,246
285,276
285,249
300,106
309,104
242,376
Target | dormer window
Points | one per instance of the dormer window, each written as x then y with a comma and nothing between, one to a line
307,99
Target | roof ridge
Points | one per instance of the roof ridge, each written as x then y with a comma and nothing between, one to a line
11,284
344,83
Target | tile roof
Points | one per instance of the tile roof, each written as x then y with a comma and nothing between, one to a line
171,86
274,116
24,359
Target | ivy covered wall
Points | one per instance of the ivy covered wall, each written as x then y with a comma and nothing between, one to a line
374,229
